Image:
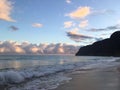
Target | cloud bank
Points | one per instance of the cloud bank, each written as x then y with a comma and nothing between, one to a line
6,10
12,47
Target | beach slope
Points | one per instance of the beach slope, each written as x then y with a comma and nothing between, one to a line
107,79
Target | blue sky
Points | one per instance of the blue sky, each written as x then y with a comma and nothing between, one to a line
77,22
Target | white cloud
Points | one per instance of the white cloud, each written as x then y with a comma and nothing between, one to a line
37,25
68,24
83,24
6,10
83,12
74,31
68,1
12,47
80,13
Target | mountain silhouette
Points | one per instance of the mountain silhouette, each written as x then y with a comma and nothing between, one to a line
106,47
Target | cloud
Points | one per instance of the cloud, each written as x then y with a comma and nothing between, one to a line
6,10
37,25
12,47
13,28
68,1
68,24
74,30
83,12
101,12
83,24
114,27
76,36
80,13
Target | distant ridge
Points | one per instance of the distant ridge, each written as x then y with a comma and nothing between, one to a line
106,47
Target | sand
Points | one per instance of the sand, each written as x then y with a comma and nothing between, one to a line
105,79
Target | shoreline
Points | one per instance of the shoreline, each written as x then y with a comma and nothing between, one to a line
104,79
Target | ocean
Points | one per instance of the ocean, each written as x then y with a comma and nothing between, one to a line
44,72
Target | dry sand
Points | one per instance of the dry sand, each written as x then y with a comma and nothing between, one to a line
107,79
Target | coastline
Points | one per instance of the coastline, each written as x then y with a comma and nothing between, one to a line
104,79
58,77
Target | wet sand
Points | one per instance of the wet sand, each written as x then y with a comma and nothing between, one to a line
106,79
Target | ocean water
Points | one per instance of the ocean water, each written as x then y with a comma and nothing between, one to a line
44,72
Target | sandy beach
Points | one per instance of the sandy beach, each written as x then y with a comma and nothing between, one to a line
105,79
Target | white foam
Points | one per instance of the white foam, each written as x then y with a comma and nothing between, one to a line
46,83
99,64
10,77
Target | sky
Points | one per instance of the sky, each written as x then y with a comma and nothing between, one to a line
77,22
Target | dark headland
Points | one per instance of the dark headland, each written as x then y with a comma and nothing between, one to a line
106,47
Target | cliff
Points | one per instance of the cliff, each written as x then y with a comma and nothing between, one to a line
106,47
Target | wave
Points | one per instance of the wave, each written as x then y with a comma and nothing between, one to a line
14,76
